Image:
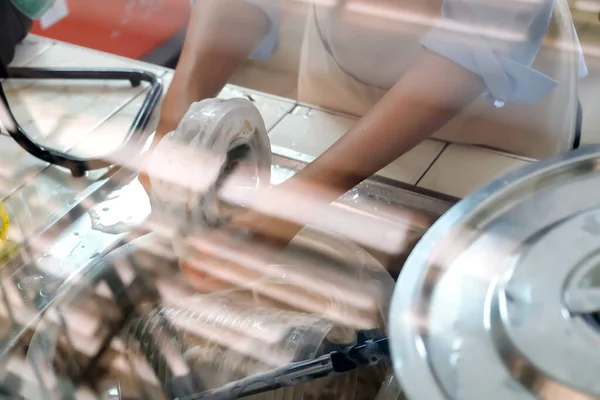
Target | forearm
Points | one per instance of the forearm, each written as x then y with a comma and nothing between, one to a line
220,37
429,95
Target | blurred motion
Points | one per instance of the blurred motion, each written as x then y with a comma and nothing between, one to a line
193,343
241,245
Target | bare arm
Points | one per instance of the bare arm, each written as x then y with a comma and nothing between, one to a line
220,37
429,95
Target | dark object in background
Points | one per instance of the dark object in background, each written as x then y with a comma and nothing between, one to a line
167,54
14,26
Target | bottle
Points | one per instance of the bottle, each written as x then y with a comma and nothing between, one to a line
33,9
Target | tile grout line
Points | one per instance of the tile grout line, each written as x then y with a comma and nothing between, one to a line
290,112
446,145
107,118
37,55
501,153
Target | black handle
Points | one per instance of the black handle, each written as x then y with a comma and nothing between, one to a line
136,137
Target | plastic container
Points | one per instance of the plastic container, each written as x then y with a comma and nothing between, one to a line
189,165
335,280
4,222
208,340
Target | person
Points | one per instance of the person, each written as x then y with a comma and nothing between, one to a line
14,26
497,73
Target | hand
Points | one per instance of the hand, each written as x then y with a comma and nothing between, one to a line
249,229
165,125
248,232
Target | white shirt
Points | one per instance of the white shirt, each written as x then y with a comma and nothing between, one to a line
495,39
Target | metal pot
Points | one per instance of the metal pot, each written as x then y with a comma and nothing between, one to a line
500,299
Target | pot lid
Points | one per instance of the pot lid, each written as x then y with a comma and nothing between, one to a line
501,298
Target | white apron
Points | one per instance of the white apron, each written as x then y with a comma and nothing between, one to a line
536,130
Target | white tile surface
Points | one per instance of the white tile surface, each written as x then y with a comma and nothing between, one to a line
311,132
66,55
31,47
462,169
16,166
106,138
272,108
167,77
411,166
59,113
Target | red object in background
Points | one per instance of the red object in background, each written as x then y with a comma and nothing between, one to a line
129,28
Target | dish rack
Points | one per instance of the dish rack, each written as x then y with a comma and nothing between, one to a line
29,296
